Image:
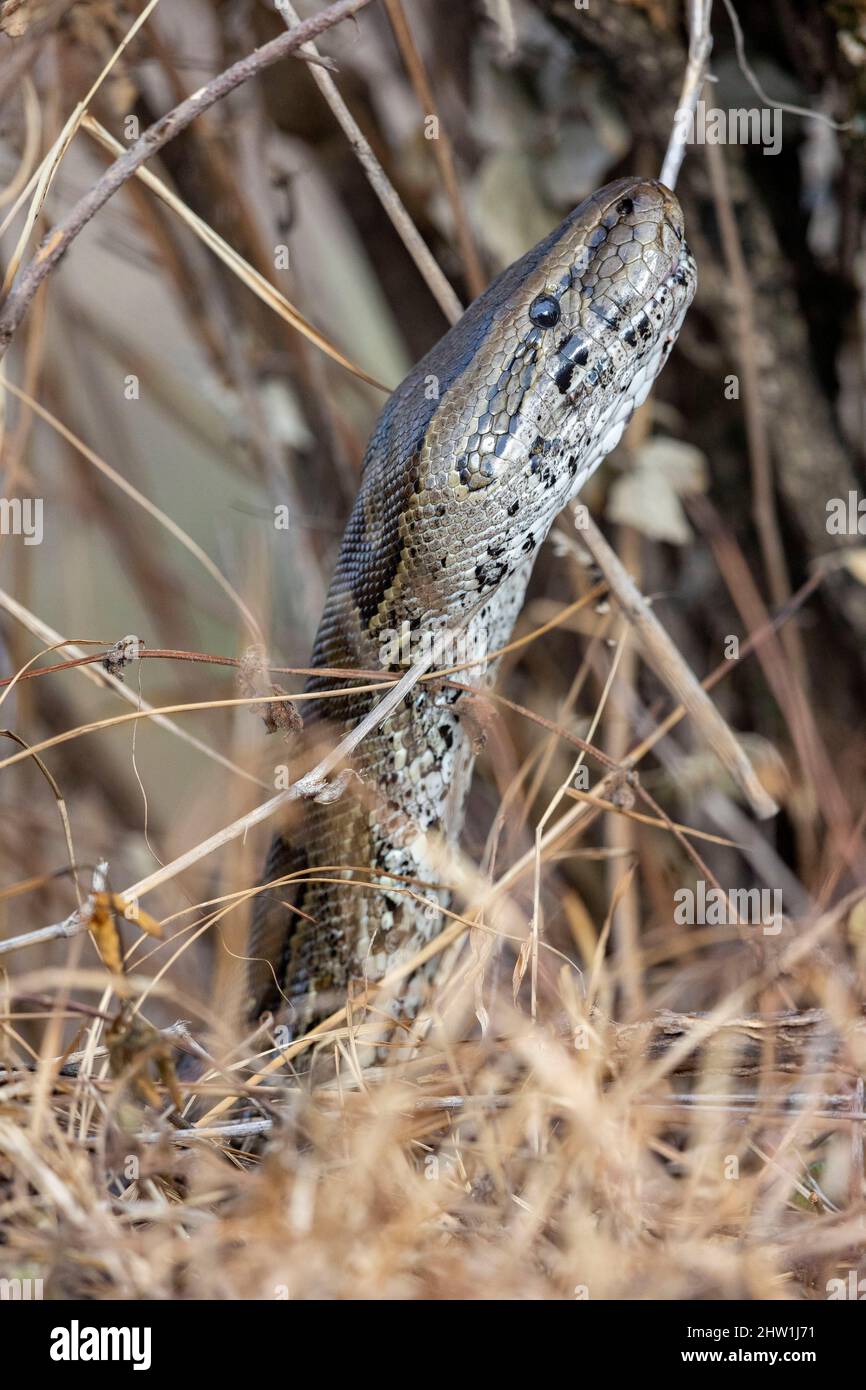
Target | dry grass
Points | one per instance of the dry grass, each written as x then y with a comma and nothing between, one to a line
537,1163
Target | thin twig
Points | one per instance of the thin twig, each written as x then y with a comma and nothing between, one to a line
760,457
700,47
245,272
443,151
619,831
58,241
104,679
670,667
381,184
752,77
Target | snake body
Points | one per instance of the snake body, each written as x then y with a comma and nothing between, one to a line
473,456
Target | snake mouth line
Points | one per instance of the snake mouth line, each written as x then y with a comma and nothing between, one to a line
678,284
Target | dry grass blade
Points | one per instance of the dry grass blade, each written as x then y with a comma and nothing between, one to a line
50,164
672,669
53,248
144,502
254,281
105,679
385,191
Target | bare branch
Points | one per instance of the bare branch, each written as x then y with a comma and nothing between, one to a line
57,243
700,47
379,181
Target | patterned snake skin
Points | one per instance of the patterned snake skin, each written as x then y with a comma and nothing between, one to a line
473,456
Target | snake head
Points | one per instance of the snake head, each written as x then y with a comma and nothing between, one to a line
570,339
500,424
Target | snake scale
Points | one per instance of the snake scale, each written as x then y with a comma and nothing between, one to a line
472,457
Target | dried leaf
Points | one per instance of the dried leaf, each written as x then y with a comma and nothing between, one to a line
648,496
16,16
133,913
276,714
105,910
103,927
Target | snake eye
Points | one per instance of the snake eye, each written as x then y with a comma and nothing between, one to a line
544,311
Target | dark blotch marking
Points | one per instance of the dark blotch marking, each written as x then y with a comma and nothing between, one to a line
488,578
563,378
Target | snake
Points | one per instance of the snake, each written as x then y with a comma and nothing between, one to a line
473,456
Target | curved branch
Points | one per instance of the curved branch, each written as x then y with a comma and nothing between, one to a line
57,242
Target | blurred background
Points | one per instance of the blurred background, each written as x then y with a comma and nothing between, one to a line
491,121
